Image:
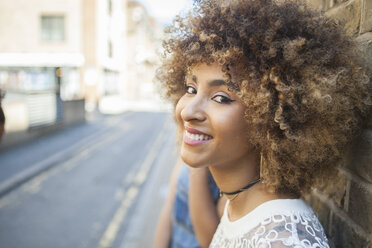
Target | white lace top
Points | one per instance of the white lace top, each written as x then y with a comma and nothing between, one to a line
276,223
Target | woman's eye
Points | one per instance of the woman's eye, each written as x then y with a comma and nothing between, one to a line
190,89
222,99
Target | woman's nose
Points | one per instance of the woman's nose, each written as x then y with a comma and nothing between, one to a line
194,110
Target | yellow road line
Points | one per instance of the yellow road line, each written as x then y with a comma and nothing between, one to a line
112,229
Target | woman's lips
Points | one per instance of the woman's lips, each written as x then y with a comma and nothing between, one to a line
195,137
194,131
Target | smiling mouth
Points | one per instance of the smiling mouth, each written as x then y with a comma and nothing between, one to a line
197,137
194,139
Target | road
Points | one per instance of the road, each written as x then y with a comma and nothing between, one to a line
99,184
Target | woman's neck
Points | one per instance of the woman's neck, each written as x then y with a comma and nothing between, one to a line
232,177
237,174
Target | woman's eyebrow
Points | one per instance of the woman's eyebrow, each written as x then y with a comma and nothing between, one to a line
212,83
216,82
194,79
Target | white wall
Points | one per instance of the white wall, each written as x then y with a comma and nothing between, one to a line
20,26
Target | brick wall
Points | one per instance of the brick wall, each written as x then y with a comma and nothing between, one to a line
345,206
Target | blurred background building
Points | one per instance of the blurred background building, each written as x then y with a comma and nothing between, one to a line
144,35
103,47
60,58
40,60
143,43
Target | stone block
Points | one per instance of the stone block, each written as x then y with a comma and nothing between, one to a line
322,211
321,5
344,236
360,158
366,17
365,44
334,3
360,203
349,13
336,190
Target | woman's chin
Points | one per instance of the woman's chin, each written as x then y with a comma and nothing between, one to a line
192,162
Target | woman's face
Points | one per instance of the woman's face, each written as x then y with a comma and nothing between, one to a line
211,119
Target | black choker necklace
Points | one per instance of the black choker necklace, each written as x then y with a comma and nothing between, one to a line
240,190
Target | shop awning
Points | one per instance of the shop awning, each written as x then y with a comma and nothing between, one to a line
41,59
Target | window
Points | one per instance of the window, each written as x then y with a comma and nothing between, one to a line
53,28
109,49
110,7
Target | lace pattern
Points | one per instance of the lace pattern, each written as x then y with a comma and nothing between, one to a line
297,229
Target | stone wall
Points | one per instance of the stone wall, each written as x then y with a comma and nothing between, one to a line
345,207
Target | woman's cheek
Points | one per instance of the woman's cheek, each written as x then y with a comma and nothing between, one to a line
178,110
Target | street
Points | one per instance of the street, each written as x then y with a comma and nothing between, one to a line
98,184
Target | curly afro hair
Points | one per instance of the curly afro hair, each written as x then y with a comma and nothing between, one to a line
301,78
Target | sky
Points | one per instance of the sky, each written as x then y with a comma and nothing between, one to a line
165,10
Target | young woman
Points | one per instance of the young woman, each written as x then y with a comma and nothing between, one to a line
268,95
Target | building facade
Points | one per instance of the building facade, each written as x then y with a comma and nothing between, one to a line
58,57
104,48
40,56
144,47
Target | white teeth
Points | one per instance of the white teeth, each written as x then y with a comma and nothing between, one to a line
198,136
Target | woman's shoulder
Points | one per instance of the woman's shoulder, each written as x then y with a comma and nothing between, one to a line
266,211
280,223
